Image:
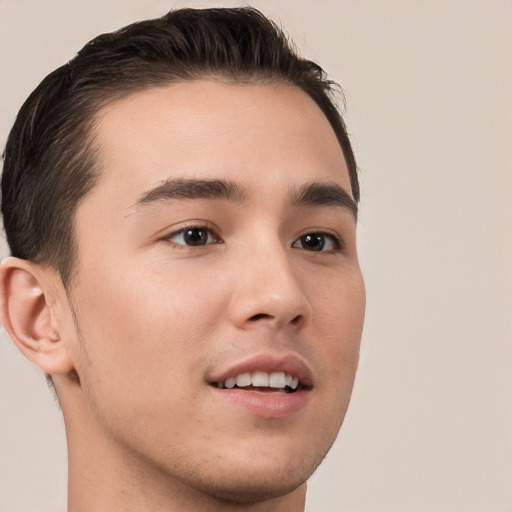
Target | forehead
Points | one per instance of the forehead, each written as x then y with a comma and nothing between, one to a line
258,135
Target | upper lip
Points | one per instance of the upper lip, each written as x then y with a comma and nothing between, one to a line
288,363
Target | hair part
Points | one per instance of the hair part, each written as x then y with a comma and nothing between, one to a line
50,160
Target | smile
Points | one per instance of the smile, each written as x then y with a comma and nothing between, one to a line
275,382
267,385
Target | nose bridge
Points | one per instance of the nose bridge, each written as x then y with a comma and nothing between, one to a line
268,291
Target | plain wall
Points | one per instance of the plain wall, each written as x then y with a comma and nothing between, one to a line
428,86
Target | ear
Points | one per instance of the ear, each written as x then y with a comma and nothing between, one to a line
28,294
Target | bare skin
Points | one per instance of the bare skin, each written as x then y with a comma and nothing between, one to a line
220,242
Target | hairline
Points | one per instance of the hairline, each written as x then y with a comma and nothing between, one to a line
114,95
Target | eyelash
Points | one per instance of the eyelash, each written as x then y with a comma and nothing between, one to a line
337,242
202,228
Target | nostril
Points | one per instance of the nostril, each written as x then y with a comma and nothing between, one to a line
297,320
260,316
265,316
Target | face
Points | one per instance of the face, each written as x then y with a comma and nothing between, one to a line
218,297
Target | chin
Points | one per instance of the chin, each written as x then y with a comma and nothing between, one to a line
251,488
258,480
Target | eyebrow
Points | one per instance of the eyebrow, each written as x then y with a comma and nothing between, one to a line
310,194
182,188
324,194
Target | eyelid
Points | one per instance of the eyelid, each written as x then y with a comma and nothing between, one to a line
333,235
193,224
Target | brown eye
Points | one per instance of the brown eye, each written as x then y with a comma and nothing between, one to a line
318,242
193,237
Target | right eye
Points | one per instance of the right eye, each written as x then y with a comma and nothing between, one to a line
194,236
318,242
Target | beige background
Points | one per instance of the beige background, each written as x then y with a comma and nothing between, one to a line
429,103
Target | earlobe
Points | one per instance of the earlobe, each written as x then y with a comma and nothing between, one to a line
26,297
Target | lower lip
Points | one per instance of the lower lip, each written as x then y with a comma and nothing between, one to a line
265,405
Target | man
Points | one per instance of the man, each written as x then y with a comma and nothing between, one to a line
180,201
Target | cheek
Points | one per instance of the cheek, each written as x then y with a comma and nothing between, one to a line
339,306
338,319
148,325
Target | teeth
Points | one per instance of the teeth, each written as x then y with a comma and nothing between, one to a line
230,383
277,380
260,379
243,380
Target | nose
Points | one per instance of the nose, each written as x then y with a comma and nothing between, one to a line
269,293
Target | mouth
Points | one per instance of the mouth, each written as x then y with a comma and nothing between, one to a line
278,382
266,385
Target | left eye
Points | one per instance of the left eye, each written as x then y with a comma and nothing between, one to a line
318,242
193,237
